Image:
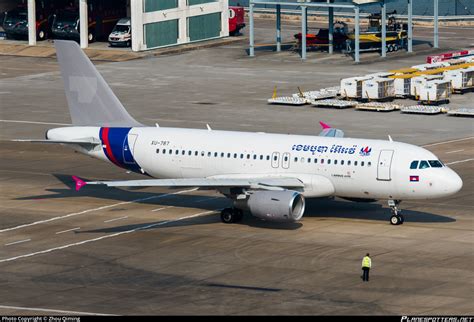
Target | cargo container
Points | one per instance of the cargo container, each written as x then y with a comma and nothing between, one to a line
378,88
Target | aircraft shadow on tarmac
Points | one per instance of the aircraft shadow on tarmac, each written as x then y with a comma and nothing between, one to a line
320,208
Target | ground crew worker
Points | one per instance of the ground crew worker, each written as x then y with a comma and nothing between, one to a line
366,265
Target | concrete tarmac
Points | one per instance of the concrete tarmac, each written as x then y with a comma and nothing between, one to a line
165,251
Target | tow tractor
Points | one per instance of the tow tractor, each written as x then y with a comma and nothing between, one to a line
321,39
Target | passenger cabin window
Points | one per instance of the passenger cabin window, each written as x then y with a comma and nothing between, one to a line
329,161
355,163
335,162
342,162
361,163
349,162
424,165
369,163
261,157
435,164
268,157
296,159
190,152
157,150
315,160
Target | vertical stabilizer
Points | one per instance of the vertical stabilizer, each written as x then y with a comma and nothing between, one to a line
91,101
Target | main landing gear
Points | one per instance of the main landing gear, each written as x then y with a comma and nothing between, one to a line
397,217
231,215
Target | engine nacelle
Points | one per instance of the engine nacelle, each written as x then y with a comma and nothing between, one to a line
278,206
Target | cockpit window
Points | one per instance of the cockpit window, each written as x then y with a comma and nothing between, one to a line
414,165
424,165
435,164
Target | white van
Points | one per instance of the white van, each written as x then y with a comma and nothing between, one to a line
121,35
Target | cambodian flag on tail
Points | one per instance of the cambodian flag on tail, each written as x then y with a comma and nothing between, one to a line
414,178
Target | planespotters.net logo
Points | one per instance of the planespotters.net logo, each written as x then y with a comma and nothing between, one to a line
437,319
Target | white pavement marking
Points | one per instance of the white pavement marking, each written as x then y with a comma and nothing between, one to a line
50,310
65,231
94,209
107,236
110,220
455,151
18,242
445,142
163,208
33,122
454,162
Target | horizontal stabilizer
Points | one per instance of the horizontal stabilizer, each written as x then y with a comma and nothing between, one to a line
84,141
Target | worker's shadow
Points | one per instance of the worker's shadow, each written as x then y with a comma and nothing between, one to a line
338,208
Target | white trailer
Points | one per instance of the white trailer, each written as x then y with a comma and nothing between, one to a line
418,81
461,79
352,87
435,91
378,88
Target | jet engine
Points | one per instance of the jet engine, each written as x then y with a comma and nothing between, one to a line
278,206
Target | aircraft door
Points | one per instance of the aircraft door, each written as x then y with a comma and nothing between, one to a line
285,161
384,165
128,147
275,160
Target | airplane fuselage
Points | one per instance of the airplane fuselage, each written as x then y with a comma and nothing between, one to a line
328,166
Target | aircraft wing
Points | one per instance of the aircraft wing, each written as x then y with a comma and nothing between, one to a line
330,131
265,183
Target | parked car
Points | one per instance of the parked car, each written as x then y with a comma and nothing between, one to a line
15,23
121,35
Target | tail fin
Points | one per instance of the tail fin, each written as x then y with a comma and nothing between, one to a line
91,101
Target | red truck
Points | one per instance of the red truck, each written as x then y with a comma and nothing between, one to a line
236,20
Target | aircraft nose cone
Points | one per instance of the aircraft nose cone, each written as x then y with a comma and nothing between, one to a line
453,183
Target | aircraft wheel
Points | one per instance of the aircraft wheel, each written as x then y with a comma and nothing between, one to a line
227,216
395,220
41,35
238,215
402,219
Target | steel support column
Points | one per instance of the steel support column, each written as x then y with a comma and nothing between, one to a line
31,22
410,26
251,27
384,29
278,27
304,28
435,23
331,29
84,23
357,35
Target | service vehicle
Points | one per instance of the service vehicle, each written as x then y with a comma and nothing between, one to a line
121,35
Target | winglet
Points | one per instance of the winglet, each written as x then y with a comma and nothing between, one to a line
324,125
79,182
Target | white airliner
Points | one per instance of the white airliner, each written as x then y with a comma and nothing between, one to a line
270,175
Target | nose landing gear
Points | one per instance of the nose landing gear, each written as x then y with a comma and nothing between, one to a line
397,217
